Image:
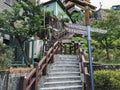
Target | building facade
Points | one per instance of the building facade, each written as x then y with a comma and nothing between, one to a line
57,8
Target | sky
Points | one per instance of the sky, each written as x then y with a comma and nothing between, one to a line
106,4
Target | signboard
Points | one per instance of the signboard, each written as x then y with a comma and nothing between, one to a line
76,31
81,28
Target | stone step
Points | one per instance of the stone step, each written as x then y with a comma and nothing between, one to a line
70,56
64,69
62,83
61,65
72,87
64,74
61,62
64,66
67,57
66,61
63,78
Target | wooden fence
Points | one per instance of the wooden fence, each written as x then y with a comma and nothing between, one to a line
84,68
30,81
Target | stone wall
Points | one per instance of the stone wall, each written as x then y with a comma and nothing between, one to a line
105,66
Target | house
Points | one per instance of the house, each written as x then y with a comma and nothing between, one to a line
5,4
115,7
100,14
57,8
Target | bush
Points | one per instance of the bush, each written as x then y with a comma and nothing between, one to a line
6,56
107,79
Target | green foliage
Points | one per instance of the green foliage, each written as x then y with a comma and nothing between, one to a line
82,40
6,56
107,79
24,21
77,16
65,20
111,24
100,56
77,38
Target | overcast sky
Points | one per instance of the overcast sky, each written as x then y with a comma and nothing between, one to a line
105,3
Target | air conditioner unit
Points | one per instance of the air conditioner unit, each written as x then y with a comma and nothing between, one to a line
38,48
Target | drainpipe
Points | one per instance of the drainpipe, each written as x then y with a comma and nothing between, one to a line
87,22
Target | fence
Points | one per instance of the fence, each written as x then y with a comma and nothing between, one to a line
84,68
30,81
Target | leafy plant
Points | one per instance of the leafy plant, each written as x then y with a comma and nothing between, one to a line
107,79
6,56
111,24
23,22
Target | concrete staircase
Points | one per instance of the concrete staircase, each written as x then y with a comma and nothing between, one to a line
63,74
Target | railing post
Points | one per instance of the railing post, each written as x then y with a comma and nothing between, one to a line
24,85
45,69
61,48
70,49
65,49
52,60
75,48
34,86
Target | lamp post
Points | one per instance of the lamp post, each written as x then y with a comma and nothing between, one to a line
87,22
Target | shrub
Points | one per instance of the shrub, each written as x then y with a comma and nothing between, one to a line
107,79
6,56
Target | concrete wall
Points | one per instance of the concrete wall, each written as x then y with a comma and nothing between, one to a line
14,81
11,81
3,80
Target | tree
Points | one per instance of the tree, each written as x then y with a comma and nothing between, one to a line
111,24
23,22
77,17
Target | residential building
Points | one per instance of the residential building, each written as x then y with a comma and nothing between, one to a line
57,8
115,7
100,14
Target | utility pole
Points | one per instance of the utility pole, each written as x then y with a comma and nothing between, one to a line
87,22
